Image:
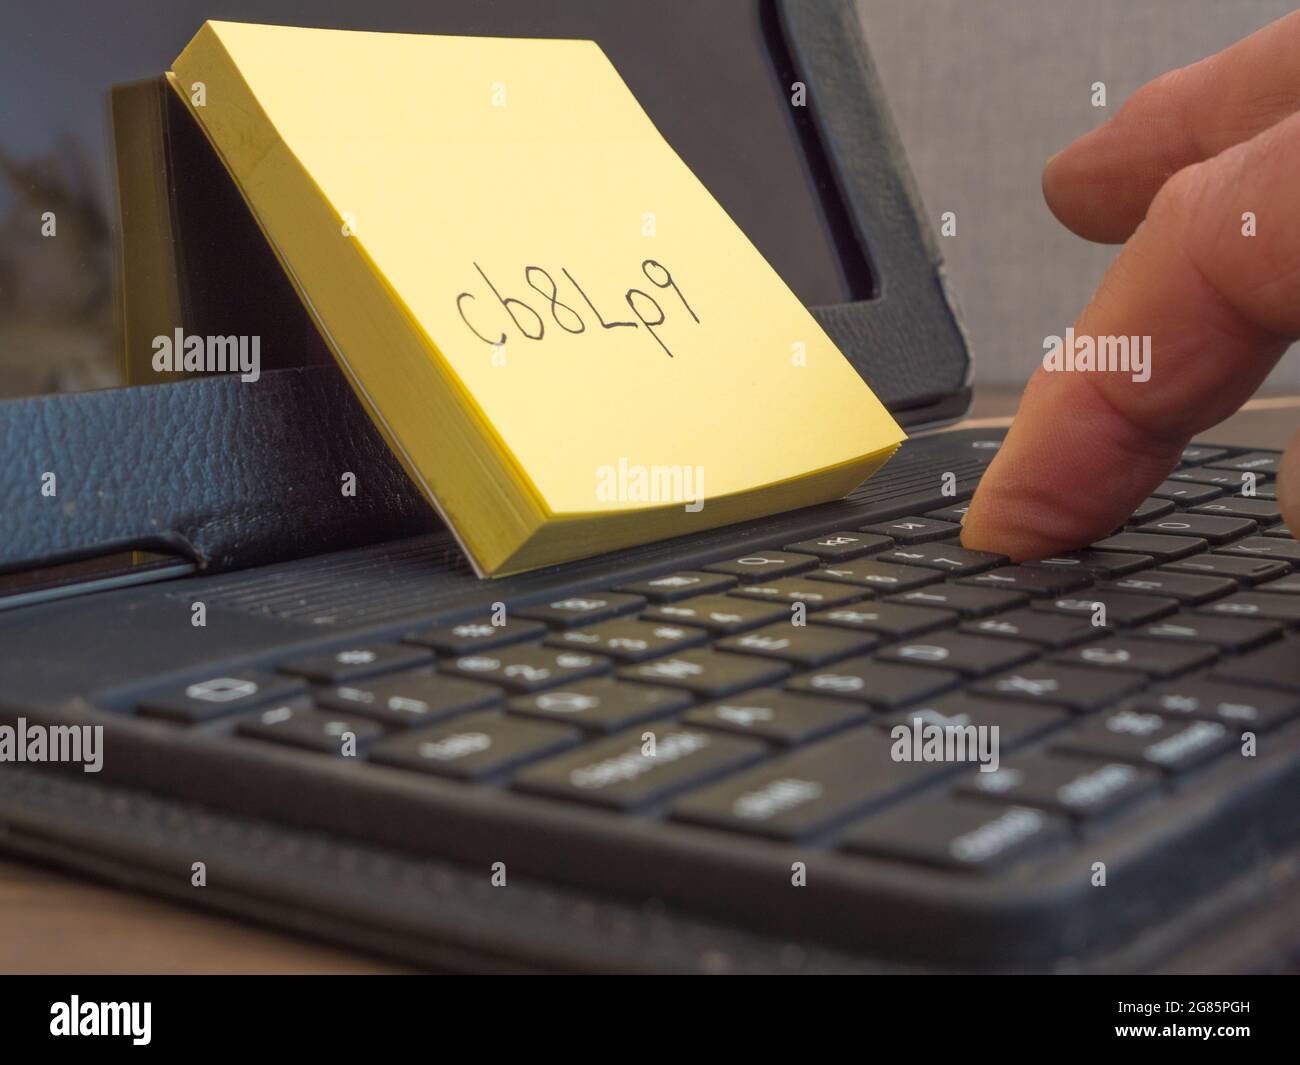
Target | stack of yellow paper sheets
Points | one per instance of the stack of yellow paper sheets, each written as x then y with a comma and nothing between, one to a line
566,340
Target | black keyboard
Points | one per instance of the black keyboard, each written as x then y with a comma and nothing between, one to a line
721,733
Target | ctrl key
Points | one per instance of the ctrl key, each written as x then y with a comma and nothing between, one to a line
956,834
474,747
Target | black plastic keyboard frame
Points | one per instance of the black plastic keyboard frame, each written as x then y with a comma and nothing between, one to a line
77,661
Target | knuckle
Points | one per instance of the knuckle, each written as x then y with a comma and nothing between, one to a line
1177,201
1160,95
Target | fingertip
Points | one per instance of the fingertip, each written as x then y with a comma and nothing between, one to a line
992,525
1040,495
1078,186
1053,182
1288,485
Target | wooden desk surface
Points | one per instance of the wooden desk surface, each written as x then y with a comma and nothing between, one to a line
52,923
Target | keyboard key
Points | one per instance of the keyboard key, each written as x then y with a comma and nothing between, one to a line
888,619
955,513
881,684
1276,666
1228,633
1214,528
1260,510
1288,585
1280,531
946,557
842,546
682,585
1241,570
527,669
974,656
1071,786
1148,740
764,566
1195,456
297,724
1284,608
1235,704
584,609
1287,551
915,530
215,697
883,576
1255,461
477,635
712,674
619,773
957,834
1049,630
412,699
600,705
1186,493
354,663
1162,548
1120,610
806,646
968,602
817,595
1061,685
1149,509
1017,723
1097,563
778,716
1159,658
807,791
1035,581
1228,480
719,613
628,640
474,747
1185,587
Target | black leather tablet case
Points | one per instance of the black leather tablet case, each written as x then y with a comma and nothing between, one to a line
230,474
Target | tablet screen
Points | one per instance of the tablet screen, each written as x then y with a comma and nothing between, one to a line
713,77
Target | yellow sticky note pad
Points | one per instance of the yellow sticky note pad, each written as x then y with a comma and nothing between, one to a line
566,340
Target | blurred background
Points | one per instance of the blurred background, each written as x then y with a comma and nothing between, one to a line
983,91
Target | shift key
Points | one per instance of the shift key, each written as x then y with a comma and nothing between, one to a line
632,770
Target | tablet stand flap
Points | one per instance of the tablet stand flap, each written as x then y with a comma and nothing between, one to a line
224,472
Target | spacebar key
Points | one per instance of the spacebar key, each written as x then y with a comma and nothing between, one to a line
639,767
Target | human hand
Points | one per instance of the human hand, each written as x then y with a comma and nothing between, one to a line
1172,175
